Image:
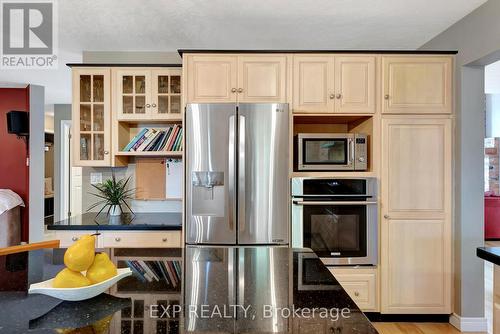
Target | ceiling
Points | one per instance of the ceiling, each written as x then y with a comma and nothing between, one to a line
167,25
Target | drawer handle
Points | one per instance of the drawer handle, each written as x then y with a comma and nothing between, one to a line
356,293
164,239
118,239
75,238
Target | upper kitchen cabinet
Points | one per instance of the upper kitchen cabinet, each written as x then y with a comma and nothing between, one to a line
147,94
235,78
91,110
211,78
340,84
313,84
417,85
262,79
355,84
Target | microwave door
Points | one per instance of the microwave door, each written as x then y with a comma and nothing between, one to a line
210,173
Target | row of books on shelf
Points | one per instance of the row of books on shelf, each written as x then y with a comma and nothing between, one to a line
150,139
149,271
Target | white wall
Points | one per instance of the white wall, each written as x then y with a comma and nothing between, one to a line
492,78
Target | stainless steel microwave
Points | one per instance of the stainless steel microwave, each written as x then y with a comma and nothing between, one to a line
332,151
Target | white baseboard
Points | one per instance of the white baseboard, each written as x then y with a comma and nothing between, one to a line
469,324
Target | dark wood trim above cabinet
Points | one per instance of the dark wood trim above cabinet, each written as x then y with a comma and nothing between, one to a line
120,65
412,52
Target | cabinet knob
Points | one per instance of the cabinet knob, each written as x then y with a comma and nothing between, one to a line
118,239
106,152
240,90
233,90
148,105
74,238
164,239
153,105
386,216
339,96
386,96
332,96
356,293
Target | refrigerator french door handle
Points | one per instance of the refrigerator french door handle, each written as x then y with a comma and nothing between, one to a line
231,172
241,172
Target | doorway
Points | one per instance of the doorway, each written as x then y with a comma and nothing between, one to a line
71,177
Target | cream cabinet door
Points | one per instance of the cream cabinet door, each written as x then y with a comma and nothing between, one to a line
415,85
416,221
313,84
166,94
262,79
133,93
355,84
91,109
211,78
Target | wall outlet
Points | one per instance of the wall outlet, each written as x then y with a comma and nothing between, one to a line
95,178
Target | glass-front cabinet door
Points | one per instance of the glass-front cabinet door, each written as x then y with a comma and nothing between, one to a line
91,117
166,94
133,93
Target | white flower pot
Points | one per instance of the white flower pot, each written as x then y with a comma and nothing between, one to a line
115,210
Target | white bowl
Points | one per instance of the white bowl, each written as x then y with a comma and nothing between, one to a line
75,294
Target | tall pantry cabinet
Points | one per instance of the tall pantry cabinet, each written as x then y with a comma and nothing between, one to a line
416,185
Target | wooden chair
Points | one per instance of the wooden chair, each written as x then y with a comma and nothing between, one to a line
29,247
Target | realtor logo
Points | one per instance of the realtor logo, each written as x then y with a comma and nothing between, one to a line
28,34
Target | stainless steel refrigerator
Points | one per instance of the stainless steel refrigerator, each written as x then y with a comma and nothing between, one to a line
237,174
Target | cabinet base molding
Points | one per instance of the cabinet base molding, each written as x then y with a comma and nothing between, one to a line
465,324
379,317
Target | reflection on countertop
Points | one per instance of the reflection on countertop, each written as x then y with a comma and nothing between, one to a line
190,290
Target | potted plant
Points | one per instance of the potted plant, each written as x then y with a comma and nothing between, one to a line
113,194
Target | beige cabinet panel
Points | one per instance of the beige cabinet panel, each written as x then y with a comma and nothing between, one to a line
416,215
414,85
355,84
416,266
262,79
360,284
416,167
91,115
141,239
211,78
313,84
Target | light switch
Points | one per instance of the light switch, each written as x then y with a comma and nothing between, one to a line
95,178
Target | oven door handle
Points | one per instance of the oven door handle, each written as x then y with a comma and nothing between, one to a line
334,202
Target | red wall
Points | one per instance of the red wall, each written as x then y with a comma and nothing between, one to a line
14,174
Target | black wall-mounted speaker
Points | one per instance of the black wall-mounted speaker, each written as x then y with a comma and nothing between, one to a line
18,123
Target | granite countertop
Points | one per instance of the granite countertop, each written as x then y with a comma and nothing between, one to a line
491,254
140,221
207,289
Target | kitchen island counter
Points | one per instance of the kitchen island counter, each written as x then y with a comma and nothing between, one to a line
203,289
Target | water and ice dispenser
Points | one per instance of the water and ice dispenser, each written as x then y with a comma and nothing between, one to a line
208,193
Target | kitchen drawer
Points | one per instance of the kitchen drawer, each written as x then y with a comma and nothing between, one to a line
67,238
360,284
141,239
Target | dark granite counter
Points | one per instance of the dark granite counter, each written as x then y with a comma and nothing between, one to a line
203,289
166,221
491,254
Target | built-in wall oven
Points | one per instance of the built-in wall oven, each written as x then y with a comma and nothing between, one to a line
336,218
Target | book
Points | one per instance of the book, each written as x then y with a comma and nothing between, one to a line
152,141
139,141
165,139
135,139
170,274
174,273
150,136
178,141
163,271
148,270
156,142
139,268
136,272
172,138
